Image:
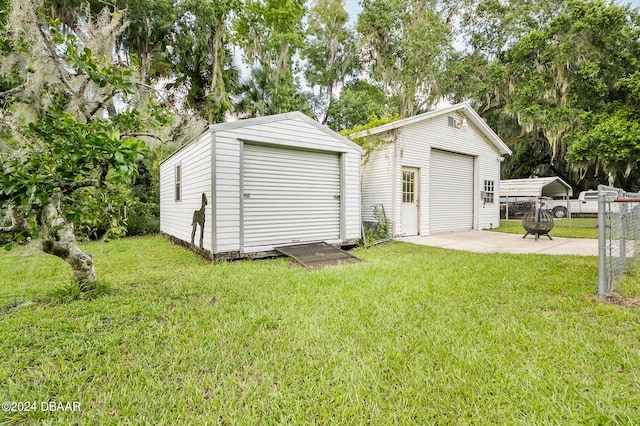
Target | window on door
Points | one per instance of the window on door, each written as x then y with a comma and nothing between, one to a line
408,186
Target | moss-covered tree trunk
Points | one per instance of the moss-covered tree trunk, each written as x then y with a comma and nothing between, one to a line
58,239
18,223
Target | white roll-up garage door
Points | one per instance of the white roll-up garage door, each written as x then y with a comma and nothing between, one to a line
451,192
289,196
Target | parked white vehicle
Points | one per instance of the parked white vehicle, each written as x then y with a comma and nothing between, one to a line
585,204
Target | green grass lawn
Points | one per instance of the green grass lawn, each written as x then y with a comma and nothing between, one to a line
414,335
580,227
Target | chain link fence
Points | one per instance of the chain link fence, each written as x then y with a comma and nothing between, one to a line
516,207
618,235
376,227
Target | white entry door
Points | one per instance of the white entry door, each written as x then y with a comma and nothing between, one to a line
410,202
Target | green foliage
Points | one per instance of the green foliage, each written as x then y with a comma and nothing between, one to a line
330,51
80,139
99,212
202,56
143,211
373,122
269,93
370,143
116,210
150,32
75,291
613,139
378,231
8,240
542,73
406,45
66,154
270,32
569,82
329,46
495,338
100,70
360,104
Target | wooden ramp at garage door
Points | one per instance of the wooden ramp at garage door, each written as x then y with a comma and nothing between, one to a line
317,255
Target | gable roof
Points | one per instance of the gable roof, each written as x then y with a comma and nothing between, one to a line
463,108
247,122
535,187
294,115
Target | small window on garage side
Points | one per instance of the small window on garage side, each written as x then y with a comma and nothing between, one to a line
178,180
489,191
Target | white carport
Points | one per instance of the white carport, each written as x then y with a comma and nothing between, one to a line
517,189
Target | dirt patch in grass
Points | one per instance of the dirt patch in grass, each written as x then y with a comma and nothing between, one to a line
618,300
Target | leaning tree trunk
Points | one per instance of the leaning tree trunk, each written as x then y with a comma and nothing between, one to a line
59,239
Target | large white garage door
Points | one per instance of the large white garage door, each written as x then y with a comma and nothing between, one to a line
451,192
289,196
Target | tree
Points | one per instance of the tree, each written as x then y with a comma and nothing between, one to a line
201,54
330,49
270,33
151,27
268,93
404,48
544,75
568,82
72,125
359,103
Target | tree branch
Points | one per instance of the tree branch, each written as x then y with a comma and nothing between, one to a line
527,136
100,103
13,91
482,112
143,134
51,50
513,141
67,188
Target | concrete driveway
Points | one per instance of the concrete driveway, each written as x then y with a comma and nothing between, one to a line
500,242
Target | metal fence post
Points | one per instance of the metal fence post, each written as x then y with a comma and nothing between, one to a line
506,210
603,284
623,236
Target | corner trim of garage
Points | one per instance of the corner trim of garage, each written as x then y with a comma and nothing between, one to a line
241,168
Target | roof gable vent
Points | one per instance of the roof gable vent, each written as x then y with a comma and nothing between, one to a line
456,122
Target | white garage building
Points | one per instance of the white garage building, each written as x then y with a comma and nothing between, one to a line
262,183
435,172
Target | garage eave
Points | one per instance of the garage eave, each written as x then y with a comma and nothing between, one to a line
463,108
294,115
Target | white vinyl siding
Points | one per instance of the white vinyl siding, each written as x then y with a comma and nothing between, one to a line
411,142
350,196
227,178
176,216
377,175
289,196
414,145
292,133
287,152
451,200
